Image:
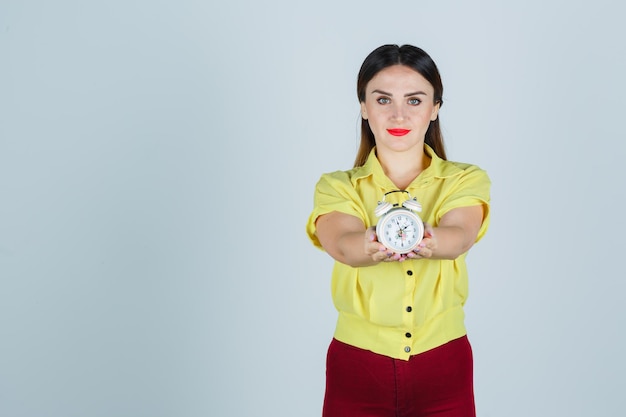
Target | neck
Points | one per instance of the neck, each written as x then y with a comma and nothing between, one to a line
403,167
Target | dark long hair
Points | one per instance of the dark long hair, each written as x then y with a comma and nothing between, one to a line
416,59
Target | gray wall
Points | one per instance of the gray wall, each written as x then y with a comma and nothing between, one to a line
157,165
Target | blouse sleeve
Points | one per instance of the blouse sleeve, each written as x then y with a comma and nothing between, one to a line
334,192
471,189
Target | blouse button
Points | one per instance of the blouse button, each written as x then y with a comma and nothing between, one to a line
408,335
409,273
407,349
409,309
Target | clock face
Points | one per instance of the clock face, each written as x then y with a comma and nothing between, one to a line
400,230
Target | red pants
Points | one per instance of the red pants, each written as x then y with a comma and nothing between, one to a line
438,382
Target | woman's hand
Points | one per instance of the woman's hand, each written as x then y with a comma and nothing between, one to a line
426,246
376,250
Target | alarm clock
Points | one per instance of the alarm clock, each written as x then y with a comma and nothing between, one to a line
399,227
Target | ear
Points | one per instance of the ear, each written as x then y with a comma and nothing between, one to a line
363,110
435,113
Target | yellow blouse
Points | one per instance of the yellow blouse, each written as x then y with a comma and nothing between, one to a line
399,309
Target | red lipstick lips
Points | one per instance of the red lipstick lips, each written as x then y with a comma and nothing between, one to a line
398,132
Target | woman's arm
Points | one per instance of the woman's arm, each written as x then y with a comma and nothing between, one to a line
455,234
346,239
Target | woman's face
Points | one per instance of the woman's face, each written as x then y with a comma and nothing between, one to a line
399,106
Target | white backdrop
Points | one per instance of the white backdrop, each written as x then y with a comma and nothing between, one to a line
157,165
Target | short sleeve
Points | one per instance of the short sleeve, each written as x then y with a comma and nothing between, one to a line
472,188
334,192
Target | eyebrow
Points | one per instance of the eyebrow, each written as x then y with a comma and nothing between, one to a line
417,93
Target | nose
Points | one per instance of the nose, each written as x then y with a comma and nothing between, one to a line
398,112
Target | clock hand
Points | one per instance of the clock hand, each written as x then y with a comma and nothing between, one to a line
399,230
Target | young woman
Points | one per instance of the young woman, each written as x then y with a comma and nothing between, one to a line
400,346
